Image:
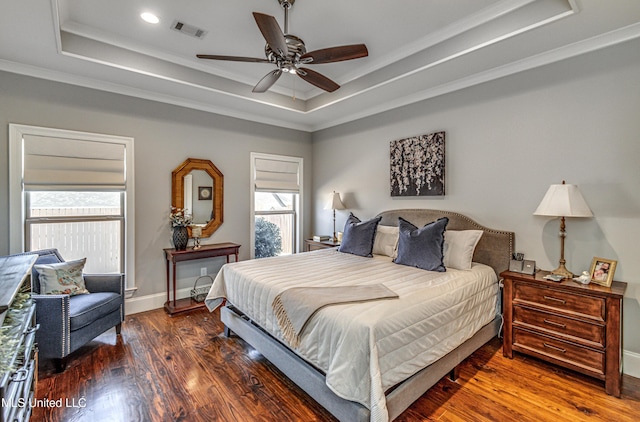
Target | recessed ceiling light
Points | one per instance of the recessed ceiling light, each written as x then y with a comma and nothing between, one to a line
149,17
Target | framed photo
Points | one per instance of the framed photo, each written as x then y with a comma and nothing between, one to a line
602,271
204,193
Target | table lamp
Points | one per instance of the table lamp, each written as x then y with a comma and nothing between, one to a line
335,203
563,201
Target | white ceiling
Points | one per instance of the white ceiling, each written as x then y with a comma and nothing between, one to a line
418,49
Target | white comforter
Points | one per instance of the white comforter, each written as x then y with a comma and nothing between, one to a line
366,348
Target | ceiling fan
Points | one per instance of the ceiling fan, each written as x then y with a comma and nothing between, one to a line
289,53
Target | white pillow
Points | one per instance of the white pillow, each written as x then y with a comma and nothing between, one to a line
62,278
386,241
459,247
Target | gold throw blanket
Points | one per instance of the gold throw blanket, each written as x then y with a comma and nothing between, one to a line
295,306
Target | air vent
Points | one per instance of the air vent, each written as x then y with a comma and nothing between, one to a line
187,29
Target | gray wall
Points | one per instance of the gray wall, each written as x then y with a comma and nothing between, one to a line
164,136
506,142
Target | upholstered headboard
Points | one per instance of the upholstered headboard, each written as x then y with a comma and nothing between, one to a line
494,248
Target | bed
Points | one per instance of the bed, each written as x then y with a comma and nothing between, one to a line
368,361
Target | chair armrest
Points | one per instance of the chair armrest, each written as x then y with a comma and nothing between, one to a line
105,283
52,314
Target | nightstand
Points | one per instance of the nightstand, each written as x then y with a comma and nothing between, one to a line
312,245
566,323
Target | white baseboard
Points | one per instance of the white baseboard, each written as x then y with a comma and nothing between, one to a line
135,305
631,363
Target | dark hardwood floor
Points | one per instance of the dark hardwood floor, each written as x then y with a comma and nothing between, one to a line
184,369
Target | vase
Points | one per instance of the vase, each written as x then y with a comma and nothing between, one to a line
180,238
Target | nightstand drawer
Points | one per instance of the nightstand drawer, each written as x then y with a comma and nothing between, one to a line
312,245
570,303
568,353
587,333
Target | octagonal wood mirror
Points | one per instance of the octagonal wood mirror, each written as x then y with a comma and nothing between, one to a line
198,186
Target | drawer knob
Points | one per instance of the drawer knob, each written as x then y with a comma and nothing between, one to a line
556,324
559,349
555,299
20,375
32,329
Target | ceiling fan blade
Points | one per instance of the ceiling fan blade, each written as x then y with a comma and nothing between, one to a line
268,81
232,58
317,79
336,54
272,33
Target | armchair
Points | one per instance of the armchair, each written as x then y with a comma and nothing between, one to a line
68,322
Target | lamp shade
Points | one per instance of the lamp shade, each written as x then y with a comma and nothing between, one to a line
563,201
335,203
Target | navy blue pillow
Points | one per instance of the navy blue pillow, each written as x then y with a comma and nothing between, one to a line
358,236
422,248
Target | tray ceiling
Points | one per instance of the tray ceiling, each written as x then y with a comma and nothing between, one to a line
418,49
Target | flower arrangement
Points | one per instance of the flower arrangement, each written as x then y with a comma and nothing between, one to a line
180,217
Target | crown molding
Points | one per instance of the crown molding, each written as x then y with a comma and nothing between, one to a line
595,43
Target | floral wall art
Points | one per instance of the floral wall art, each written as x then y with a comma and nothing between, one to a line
417,165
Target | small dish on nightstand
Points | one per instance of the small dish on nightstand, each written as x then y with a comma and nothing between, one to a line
554,277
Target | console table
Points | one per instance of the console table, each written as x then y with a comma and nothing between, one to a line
173,305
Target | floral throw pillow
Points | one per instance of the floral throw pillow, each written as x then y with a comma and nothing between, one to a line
64,278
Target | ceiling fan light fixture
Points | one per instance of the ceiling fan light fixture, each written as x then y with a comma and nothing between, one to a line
288,52
149,17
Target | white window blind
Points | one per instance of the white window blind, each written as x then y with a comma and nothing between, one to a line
277,175
70,164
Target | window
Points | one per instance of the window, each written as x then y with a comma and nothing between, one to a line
79,225
70,191
276,198
275,215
